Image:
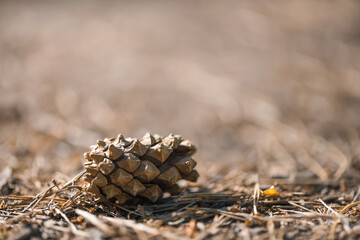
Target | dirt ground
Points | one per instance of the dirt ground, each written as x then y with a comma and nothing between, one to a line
268,91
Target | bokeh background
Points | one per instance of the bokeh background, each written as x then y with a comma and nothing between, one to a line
266,86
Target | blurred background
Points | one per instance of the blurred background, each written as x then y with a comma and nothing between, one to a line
269,87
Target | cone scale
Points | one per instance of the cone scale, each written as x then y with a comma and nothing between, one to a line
121,169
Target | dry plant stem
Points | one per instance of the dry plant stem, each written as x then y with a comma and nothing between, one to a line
18,218
57,200
73,180
311,164
178,211
333,229
347,207
137,227
286,218
328,207
256,197
125,209
271,229
67,203
96,222
301,207
72,226
38,198
41,196
357,194
142,228
221,212
132,224
214,228
343,162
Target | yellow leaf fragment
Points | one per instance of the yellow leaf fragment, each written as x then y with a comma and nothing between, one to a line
271,192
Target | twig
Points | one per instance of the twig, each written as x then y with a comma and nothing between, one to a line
347,207
302,207
95,221
312,164
125,209
74,179
242,216
256,197
328,207
69,200
38,198
72,226
132,224
142,228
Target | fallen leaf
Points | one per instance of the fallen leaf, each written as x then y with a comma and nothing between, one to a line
271,192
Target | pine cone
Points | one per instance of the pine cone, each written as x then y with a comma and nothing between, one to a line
120,169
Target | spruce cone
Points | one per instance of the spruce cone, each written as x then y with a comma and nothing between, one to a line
120,169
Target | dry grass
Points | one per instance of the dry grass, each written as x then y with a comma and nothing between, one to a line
303,209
